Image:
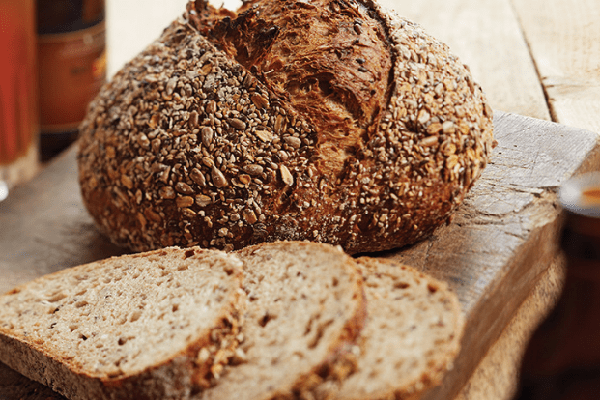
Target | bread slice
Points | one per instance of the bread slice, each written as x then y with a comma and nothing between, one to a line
149,326
411,337
305,308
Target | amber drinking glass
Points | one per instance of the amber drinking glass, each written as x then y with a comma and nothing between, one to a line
19,127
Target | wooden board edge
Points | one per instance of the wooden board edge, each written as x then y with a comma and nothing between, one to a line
541,253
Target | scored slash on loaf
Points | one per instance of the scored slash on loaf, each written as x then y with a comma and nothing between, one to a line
324,120
168,324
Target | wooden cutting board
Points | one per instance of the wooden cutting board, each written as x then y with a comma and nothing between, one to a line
500,242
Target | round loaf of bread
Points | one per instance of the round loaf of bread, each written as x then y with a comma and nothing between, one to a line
324,120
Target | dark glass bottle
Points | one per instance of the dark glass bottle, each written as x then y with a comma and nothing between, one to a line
562,361
72,65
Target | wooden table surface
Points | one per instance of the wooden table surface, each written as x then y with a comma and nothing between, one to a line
535,58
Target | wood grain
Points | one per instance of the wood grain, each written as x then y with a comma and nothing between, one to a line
486,35
564,40
499,244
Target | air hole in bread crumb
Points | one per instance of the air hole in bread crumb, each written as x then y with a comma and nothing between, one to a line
226,323
189,253
228,270
182,268
82,336
53,310
335,281
56,296
432,288
175,307
135,316
73,327
319,335
265,320
121,342
81,303
401,285
309,326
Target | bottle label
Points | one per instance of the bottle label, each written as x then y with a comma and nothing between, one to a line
72,68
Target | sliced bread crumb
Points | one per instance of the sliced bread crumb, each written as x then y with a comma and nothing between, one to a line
154,325
305,307
412,335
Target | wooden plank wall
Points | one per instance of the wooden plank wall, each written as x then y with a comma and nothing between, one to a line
564,40
122,42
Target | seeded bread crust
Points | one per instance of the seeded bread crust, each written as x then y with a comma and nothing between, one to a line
411,338
305,311
130,327
205,139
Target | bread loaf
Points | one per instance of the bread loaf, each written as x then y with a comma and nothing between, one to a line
158,325
331,121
